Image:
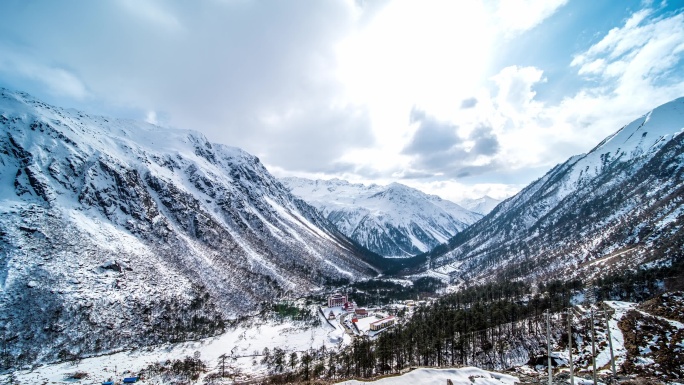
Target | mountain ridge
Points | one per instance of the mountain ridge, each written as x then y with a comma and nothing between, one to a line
393,220
138,234
615,207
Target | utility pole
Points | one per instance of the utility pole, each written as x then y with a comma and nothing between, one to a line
548,344
593,346
572,370
222,357
610,340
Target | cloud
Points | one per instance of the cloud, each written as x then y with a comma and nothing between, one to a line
437,149
485,142
468,103
313,138
516,16
151,117
221,67
431,135
637,55
19,65
515,88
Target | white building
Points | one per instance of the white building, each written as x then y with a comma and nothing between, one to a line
383,323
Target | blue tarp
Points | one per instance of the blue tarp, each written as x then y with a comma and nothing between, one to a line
130,380
108,383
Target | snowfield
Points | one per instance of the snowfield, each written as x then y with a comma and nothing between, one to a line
243,345
395,221
461,376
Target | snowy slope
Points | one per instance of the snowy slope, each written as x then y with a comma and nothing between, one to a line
615,207
483,205
393,220
460,376
138,234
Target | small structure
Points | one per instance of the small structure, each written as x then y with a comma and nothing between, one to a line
130,380
331,315
383,323
108,383
350,306
337,299
361,313
410,302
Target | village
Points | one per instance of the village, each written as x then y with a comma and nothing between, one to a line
342,312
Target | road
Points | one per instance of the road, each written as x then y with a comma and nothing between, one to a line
344,325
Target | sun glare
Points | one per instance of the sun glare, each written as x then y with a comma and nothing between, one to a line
426,54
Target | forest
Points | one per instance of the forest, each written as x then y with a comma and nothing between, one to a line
493,325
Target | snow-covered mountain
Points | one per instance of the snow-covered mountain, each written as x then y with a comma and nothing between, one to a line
616,207
483,205
393,220
120,233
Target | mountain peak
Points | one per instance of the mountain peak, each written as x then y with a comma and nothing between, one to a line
94,209
393,220
617,207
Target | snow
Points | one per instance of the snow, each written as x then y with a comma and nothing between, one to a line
367,213
244,342
462,376
483,205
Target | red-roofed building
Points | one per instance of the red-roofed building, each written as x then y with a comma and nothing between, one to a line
337,299
350,306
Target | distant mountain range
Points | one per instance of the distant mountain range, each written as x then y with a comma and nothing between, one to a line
616,208
393,220
483,205
120,233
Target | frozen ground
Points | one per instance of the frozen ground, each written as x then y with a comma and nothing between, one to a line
243,345
462,376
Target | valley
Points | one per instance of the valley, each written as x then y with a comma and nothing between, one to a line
175,260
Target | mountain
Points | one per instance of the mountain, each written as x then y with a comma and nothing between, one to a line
120,233
393,220
483,205
615,208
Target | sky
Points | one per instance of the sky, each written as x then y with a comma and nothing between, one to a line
456,98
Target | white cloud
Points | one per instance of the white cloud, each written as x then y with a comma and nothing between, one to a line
327,88
637,54
152,11
516,97
151,117
634,75
516,16
58,81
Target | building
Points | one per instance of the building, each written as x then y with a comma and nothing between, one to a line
331,316
361,313
350,306
337,299
383,323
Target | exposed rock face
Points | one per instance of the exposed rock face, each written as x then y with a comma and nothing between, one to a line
119,233
394,220
617,207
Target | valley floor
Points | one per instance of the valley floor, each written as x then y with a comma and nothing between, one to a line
647,339
242,346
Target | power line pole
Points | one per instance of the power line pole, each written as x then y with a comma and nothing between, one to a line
610,340
222,357
548,344
593,346
572,370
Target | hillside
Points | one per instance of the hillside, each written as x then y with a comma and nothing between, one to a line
617,207
120,233
393,220
483,205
